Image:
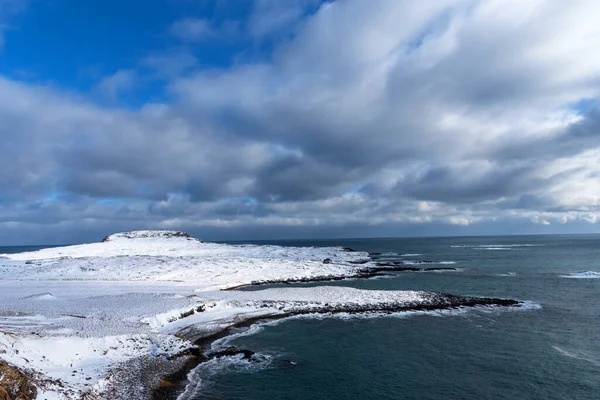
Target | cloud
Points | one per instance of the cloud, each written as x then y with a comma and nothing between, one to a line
121,81
169,64
271,17
193,29
375,118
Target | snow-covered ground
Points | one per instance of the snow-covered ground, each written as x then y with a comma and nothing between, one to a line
177,259
70,315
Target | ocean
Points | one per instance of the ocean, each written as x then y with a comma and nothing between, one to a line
549,351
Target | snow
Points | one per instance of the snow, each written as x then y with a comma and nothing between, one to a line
209,266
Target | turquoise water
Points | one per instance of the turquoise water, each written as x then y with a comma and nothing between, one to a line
552,352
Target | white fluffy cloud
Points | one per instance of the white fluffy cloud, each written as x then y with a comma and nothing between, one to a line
376,114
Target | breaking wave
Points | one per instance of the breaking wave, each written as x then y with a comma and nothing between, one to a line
200,377
583,275
495,246
429,262
577,355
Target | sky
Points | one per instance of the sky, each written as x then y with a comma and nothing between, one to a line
268,119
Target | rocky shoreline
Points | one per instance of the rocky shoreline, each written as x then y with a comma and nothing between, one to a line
174,384
381,269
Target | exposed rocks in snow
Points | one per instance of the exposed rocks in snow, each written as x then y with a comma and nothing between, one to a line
146,234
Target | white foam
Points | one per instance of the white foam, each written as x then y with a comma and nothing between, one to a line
496,246
507,274
199,378
579,355
442,271
429,262
583,275
411,255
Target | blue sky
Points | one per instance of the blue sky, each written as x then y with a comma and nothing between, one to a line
71,44
301,118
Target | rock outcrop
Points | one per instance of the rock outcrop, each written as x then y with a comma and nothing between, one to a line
14,384
146,234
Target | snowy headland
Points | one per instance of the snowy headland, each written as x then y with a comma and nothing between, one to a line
110,320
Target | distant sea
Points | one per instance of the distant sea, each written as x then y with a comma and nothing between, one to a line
550,350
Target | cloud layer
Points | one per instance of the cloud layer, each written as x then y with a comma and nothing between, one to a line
372,117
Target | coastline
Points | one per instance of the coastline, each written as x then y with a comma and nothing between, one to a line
152,303
178,381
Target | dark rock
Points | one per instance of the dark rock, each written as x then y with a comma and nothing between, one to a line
234,351
349,250
147,234
327,261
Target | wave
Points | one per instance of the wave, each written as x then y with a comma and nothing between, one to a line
200,377
577,355
429,262
507,274
442,271
583,275
237,333
411,255
495,246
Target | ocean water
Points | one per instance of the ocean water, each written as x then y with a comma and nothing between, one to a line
549,351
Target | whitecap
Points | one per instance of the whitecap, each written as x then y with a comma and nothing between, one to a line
583,275
507,274
443,271
579,355
429,262
411,255
496,246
